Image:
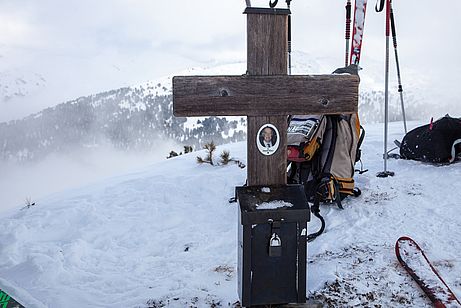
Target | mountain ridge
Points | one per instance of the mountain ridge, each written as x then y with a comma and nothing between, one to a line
138,117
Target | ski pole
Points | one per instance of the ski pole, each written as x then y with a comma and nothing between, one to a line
386,173
289,39
348,31
394,39
386,88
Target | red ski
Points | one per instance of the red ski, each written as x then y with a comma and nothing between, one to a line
357,32
415,262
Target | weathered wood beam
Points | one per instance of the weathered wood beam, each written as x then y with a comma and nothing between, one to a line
264,95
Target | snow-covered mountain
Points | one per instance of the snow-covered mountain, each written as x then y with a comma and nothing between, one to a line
133,118
139,117
16,84
166,236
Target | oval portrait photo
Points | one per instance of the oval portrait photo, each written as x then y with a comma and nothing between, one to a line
268,139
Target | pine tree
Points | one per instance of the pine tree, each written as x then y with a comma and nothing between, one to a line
225,157
172,154
188,149
210,147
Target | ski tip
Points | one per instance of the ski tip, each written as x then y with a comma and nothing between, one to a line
412,257
404,240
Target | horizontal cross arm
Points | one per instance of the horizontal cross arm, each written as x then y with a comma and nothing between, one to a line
264,95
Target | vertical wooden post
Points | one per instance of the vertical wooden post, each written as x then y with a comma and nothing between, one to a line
266,95
267,47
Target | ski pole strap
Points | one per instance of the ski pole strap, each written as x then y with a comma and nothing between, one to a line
379,7
273,4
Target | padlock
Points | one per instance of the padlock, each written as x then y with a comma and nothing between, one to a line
275,246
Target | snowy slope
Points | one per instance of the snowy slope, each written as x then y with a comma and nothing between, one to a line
165,236
21,91
19,83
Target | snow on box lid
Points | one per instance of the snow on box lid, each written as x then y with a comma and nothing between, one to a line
258,204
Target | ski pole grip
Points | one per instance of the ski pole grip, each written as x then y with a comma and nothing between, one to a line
348,20
289,29
388,17
394,34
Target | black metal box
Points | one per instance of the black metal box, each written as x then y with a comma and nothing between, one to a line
272,244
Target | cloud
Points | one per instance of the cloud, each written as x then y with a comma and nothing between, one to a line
83,47
36,180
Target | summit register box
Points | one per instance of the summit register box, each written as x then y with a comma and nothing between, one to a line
272,244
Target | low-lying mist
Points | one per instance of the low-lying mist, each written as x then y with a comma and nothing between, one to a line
32,181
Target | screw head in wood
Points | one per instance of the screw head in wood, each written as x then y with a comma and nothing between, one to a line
325,102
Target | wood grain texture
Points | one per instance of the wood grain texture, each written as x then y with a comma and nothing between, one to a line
267,44
264,95
267,54
262,169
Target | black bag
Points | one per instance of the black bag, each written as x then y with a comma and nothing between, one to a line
437,142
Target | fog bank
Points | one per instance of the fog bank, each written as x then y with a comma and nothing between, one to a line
58,172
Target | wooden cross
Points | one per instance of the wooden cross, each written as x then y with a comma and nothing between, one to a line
265,94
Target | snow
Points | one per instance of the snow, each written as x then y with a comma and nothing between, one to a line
266,189
272,205
19,83
132,107
167,236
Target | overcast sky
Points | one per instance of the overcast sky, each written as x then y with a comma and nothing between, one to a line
82,47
